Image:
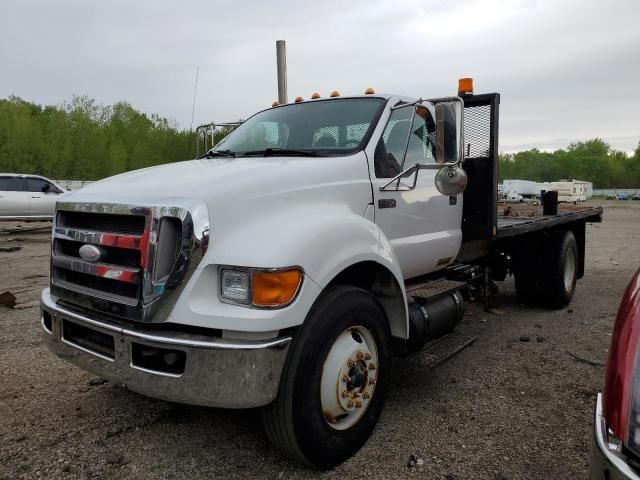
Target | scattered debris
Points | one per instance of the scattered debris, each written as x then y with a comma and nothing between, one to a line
495,311
539,339
97,381
613,262
593,363
115,459
414,461
10,249
20,229
524,338
570,310
23,306
537,325
8,299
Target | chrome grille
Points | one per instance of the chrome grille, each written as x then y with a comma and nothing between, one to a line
113,284
142,266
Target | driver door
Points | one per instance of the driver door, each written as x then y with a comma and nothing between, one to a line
422,225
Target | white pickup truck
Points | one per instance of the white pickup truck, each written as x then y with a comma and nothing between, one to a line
28,196
286,267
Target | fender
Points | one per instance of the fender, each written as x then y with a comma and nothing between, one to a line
322,241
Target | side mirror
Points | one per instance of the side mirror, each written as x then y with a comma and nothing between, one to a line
449,132
451,179
46,188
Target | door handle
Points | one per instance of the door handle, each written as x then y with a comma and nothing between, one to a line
34,197
387,203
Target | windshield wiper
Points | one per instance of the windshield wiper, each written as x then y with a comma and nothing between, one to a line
219,153
268,152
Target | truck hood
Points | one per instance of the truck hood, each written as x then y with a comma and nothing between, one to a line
224,183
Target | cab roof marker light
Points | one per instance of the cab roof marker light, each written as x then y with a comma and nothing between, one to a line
315,96
369,91
334,94
299,99
275,103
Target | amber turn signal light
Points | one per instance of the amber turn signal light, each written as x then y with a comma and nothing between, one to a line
274,289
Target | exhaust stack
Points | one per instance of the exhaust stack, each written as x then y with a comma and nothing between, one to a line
281,59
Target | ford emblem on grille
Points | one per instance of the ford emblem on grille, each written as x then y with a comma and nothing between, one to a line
90,253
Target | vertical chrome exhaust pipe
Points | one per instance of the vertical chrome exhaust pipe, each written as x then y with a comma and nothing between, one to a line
281,59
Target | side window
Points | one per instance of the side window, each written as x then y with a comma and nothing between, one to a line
11,184
389,159
37,185
422,142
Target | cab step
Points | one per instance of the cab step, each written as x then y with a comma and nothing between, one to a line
439,351
434,288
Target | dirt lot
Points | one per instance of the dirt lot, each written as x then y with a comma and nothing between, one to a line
501,409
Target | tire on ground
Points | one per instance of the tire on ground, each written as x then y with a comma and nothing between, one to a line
560,264
294,422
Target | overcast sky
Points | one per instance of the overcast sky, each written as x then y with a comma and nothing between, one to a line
567,70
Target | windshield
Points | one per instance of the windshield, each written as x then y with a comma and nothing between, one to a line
322,127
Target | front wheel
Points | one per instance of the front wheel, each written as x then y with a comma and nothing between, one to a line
334,382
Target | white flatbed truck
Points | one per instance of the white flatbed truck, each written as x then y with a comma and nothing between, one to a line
286,267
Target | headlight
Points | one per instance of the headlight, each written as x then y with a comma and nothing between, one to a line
271,288
235,285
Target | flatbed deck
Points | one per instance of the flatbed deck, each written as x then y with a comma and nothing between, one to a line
516,219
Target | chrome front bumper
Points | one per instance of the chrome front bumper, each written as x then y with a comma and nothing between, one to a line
605,462
216,372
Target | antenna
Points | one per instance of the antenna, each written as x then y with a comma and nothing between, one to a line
193,108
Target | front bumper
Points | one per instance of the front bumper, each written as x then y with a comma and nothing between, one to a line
213,372
605,462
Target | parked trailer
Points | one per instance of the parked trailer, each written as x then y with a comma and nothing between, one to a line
287,266
570,191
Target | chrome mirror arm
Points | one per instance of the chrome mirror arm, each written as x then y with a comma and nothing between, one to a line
415,169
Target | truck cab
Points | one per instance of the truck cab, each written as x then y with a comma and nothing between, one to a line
285,267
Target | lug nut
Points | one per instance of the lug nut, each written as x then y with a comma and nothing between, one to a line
367,356
358,404
372,366
345,393
360,355
350,403
366,395
351,363
345,378
372,381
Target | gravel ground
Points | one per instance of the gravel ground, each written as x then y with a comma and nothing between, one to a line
503,408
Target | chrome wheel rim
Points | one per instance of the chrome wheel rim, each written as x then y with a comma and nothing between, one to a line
569,270
349,377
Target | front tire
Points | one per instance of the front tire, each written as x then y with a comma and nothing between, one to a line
334,382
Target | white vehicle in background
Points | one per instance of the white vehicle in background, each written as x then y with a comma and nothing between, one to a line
513,197
526,188
28,196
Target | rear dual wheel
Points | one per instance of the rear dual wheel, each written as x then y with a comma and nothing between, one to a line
551,278
334,382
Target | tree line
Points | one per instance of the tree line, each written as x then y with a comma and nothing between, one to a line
594,161
83,140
